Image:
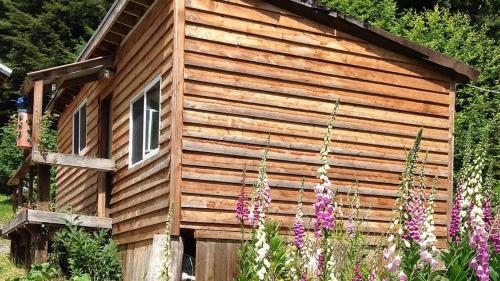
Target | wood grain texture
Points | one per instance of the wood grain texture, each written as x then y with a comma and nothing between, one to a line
37,113
253,69
177,113
140,194
233,71
216,259
451,141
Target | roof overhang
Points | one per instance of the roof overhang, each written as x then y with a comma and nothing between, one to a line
120,20
124,15
65,80
5,73
318,13
65,74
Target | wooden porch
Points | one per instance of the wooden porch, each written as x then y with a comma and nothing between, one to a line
31,230
59,82
33,225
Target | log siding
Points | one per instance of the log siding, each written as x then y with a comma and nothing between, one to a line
140,194
253,69
232,72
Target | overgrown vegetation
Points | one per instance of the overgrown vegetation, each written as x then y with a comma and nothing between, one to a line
446,26
12,156
79,253
7,268
333,245
78,256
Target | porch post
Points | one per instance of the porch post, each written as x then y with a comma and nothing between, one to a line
30,187
20,196
14,199
43,187
37,114
41,246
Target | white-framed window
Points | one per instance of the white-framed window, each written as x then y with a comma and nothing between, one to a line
144,131
80,128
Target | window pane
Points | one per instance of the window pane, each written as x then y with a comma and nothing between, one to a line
76,131
152,117
137,129
83,127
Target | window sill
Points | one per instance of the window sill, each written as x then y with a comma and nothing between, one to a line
149,157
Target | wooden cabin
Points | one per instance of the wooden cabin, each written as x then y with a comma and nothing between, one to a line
171,98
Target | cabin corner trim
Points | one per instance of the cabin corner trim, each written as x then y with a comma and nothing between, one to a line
177,114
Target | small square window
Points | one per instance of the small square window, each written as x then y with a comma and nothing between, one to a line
80,128
145,123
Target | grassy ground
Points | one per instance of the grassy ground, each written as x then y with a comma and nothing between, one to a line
7,268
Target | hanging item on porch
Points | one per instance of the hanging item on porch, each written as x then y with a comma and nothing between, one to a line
23,130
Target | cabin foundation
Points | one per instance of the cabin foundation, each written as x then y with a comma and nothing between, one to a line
30,232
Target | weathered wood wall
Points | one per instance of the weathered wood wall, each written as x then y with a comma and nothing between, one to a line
77,188
139,198
216,259
253,69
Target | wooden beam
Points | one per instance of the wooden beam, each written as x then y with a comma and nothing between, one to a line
155,258
30,186
78,77
37,113
16,221
41,246
451,151
75,79
68,70
20,196
43,187
37,217
50,73
177,116
56,218
177,250
101,194
74,161
14,199
108,21
219,234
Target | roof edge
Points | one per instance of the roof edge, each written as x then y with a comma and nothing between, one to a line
326,16
6,71
110,16
319,13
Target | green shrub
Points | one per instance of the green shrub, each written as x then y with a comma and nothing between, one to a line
87,255
39,272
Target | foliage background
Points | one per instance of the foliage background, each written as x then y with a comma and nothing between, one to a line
35,35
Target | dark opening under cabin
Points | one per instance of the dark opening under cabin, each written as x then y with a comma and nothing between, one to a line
171,98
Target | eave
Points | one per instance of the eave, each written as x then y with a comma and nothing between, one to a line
5,73
318,13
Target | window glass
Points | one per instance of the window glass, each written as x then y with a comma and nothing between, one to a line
76,132
145,115
80,128
152,117
137,129
83,127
